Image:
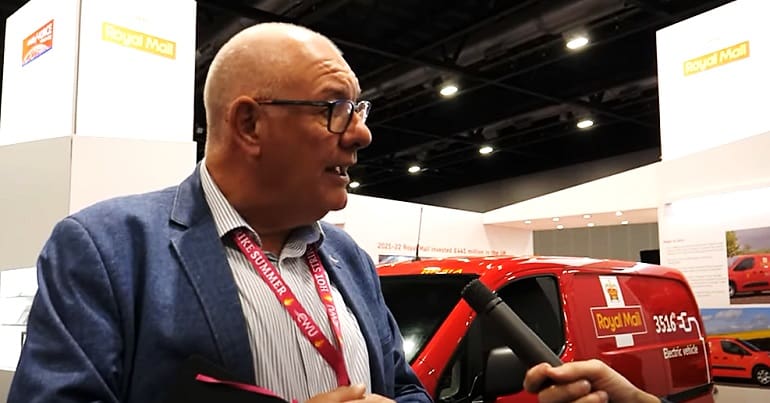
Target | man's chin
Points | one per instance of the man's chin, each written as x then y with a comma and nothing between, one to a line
339,202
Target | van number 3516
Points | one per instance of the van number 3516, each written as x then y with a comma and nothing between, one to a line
671,323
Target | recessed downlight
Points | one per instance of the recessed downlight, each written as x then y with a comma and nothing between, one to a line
448,90
414,169
585,123
355,184
485,150
577,42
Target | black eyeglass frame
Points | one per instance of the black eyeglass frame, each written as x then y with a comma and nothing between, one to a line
329,105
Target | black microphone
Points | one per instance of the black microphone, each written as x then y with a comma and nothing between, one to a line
516,334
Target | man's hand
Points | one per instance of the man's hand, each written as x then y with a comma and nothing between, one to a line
354,393
589,381
341,394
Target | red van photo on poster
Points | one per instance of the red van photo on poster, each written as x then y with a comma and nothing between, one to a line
748,265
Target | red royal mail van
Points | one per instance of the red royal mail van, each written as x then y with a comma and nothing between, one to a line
749,273
736,358
640,319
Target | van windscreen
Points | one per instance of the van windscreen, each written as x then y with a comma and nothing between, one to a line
420,303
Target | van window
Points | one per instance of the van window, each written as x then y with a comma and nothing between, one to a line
537,302
420,303
745,264
749,345
732,348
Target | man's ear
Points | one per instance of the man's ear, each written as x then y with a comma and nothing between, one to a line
244,118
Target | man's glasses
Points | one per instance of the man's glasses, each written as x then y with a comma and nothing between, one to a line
339,113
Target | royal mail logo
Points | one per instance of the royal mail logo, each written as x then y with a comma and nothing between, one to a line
610,322
138,40
717,58
38,43
612,291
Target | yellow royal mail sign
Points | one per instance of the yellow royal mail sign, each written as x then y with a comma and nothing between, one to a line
138,40
717,58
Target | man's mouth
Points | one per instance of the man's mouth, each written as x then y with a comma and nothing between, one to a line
340,170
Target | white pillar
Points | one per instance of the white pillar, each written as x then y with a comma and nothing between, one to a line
97,102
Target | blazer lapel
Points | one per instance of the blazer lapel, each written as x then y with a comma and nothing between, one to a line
202,257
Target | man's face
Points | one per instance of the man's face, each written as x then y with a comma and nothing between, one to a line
308,163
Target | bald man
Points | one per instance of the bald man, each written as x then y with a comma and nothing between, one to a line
233,266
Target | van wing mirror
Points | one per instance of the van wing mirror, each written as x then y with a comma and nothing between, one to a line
504,373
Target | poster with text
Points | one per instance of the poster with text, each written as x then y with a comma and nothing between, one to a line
721,243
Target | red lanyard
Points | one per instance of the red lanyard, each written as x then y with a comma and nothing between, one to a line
286,297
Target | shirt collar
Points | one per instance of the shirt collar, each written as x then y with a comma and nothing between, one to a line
226,218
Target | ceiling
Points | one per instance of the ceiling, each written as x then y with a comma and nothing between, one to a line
520,89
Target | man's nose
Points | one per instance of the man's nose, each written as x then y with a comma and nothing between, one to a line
357,136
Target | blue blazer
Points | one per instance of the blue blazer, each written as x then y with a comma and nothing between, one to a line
131,287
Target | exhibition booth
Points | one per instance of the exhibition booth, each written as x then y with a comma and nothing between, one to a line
705,202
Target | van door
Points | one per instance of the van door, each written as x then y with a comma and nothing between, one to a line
646,327
734,360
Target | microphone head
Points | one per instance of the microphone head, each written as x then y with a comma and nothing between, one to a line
477,295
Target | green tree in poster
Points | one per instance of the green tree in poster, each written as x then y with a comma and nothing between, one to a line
733,247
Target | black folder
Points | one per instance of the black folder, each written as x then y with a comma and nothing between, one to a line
187,389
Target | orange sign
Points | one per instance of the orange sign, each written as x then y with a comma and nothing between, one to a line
616,321
37,43
717,58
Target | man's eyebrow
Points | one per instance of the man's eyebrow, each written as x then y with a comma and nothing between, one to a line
338,93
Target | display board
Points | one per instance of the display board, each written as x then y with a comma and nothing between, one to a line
714,190
712,81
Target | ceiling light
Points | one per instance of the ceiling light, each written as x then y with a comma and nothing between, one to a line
414,169
559,226
448,90
586,216
590,224
585,123
354,184
528,222
486,150
624,222
555,219
618,213
577,42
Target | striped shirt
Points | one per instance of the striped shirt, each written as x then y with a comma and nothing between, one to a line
285,362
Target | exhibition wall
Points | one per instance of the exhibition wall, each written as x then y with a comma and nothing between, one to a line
623,242
635,189
389,229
